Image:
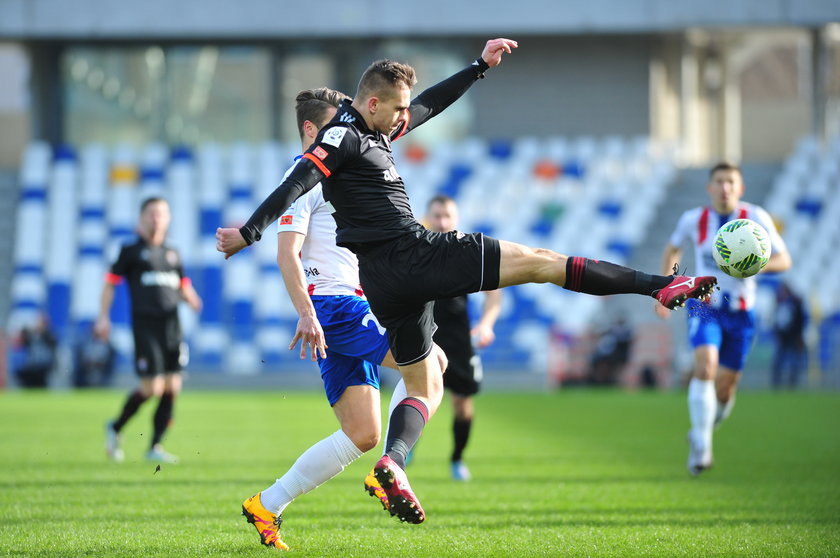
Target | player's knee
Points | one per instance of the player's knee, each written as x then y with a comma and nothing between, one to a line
547,264
151,389
725,392
443,362
705,367
365,438
704,372
462,414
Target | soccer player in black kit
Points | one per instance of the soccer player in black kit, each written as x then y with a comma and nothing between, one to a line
404,267
455,336
156,284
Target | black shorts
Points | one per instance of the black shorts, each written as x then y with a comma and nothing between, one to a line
464,373
402,277
159,346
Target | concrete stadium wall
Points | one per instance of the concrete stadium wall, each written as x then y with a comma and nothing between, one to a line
587,86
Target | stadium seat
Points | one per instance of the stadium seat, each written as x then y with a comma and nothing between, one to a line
62,214
581,195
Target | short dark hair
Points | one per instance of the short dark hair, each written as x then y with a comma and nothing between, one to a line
441,199
148,201
725,166
313,104
385,73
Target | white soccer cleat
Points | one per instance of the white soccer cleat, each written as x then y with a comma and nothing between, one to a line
112,443
158,454
699,457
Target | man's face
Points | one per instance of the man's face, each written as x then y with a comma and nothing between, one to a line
725,190
392,109
442,217
155,219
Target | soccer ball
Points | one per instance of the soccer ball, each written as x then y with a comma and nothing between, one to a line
742,248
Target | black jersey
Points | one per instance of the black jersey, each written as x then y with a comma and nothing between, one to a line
453,321
356,167
154,275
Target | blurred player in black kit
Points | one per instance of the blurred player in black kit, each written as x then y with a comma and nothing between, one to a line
403,267
156,283
463,375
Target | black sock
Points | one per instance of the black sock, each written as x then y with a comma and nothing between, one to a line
131,405
404,429
163,417
604,278
460,433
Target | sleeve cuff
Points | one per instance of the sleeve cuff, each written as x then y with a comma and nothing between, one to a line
247,235
481,66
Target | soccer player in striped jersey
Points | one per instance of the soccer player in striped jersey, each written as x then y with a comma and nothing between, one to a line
720,330
334,322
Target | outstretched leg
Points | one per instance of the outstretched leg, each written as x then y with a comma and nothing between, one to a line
521,264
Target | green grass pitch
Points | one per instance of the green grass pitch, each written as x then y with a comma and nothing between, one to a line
574,473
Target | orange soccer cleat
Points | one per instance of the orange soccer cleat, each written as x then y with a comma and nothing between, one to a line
266,523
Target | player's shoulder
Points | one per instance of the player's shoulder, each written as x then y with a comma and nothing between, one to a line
339,134
692,214
753,209
759,214
132,245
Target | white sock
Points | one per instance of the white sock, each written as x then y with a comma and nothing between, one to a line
702,405
399,394
313,468
724,410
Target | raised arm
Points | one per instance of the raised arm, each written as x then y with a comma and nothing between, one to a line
436,98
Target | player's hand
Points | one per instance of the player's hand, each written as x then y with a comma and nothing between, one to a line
661,311
102,327
195,302
482,335
229,241
493,50
311,336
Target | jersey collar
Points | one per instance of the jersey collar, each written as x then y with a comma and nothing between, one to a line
346,113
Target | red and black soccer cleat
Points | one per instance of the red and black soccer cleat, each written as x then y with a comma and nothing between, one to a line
401,499
682,287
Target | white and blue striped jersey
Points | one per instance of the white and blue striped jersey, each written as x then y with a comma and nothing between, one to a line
698,226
